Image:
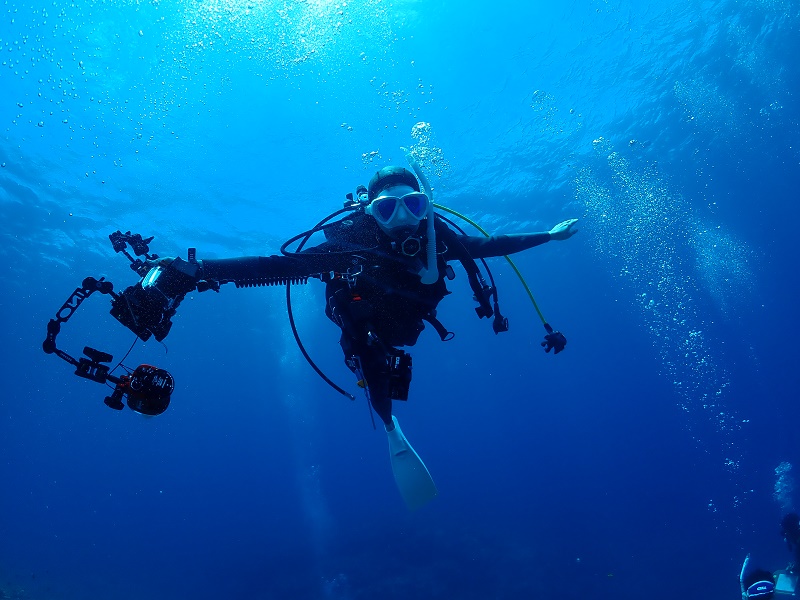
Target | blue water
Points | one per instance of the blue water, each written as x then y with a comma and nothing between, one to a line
639,463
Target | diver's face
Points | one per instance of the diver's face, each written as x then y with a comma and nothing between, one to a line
403,223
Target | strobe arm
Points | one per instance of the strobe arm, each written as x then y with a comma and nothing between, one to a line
92,367
138,244
89,286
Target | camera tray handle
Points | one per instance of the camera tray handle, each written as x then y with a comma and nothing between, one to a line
92,367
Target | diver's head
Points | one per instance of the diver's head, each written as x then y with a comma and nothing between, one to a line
396,203
758,585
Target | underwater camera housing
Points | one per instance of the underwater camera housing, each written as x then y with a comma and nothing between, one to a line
147,307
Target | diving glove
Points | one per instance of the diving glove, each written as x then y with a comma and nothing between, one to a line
554,340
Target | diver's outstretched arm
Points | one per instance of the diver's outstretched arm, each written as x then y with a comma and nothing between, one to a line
246,271
501,245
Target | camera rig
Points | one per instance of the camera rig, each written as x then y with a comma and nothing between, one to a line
145,308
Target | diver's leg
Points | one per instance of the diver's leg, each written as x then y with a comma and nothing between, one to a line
382,406
376,375
411,475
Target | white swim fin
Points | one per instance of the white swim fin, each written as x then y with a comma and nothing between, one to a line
412,477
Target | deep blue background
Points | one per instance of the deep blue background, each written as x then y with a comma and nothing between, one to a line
640,463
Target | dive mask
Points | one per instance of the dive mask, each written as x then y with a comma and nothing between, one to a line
394,211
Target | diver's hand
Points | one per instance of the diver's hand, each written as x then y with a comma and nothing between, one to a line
164,261
564,230
554,340
181,276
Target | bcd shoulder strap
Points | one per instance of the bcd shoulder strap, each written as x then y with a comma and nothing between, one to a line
480,290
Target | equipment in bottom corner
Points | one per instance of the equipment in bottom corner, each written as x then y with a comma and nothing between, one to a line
759,584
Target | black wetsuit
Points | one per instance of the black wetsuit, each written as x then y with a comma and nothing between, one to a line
373,292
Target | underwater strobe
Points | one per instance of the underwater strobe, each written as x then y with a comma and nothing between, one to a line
147,311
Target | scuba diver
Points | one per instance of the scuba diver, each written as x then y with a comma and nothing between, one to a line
382,291
756,583
385,265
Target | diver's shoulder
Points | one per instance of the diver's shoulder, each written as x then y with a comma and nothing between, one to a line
351,228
